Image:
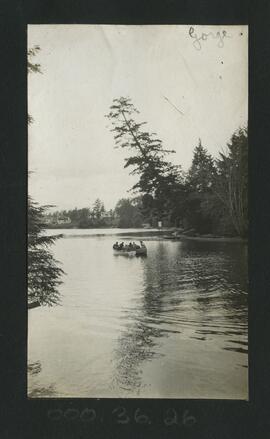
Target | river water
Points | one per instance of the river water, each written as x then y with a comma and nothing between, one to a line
169,325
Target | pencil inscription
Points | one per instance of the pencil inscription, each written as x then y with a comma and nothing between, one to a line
199,38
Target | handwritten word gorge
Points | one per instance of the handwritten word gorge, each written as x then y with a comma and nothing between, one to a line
198,39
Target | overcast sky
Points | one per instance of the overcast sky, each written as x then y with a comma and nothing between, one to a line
71,148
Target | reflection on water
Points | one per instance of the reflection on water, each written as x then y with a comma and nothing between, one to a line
173,324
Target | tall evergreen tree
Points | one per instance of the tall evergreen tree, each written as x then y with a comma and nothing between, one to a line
44,273
98,209
202,171
198,203
231,184
157,176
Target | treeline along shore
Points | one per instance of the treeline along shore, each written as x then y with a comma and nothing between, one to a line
210,198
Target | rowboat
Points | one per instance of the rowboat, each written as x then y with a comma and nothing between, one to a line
142,251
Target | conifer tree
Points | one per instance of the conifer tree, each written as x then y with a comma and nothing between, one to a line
44,273
158,177
202,171
231,184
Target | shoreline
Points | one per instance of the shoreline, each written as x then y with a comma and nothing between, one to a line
166,233
208,238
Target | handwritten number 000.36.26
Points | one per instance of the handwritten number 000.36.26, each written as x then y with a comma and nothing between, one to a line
121,416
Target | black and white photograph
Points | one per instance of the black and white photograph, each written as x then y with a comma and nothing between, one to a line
137,211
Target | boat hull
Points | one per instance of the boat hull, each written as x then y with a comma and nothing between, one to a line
141,252
137,252
125,252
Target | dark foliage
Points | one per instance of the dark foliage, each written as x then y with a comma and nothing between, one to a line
211,198
128,212
158,177
44,273
231,183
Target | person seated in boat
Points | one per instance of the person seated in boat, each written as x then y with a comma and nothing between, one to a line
121,246
116,246
130,246
135,246
142,244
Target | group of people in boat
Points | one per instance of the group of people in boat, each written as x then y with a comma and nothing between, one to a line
128,247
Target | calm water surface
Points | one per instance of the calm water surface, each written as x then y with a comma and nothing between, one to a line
171,325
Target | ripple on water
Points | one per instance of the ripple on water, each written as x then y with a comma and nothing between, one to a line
172,323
